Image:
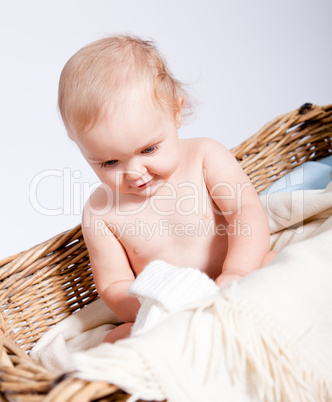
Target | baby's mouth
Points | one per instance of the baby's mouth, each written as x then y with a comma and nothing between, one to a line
147,184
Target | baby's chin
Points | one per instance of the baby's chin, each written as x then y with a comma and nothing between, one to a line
150,190
146,192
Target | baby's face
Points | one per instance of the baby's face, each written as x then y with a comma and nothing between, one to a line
136,151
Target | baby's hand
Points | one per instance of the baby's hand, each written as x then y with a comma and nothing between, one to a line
120,332
231,275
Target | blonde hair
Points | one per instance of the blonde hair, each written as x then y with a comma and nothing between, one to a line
100,75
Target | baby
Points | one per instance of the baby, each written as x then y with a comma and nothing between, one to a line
187,202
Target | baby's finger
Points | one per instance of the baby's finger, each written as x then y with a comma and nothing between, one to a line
227,277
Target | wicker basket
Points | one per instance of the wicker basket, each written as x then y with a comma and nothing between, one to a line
47,283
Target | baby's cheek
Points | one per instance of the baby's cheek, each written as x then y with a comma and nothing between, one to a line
170,162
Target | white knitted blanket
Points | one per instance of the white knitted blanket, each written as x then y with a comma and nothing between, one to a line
266,338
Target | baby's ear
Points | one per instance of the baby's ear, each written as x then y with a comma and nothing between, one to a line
178,111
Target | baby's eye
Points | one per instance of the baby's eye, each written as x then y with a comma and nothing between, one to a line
149,150
107,164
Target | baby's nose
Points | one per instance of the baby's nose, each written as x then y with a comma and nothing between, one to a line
135,174
134,169
132,175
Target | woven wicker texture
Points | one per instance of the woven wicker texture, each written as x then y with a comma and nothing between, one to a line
52,280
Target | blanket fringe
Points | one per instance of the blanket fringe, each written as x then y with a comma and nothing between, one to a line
258,351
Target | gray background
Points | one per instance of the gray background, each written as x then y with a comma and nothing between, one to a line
246,62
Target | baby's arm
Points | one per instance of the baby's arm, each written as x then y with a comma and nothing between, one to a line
110,267
235,196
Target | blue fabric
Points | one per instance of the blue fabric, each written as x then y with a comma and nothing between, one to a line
309,176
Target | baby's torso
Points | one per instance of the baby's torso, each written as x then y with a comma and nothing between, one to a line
180,225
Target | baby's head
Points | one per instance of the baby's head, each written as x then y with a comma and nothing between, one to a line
122,107
99,79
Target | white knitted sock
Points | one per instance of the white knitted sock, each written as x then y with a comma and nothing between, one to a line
162,287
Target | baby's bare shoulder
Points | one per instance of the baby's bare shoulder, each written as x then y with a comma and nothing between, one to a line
101,199
202,146
99,204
